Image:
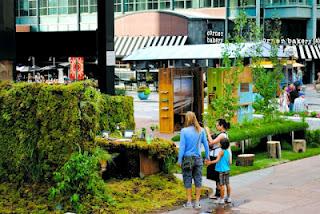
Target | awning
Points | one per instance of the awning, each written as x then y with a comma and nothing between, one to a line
305,52
205,51
125,45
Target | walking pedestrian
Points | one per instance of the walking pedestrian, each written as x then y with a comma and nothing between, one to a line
190,160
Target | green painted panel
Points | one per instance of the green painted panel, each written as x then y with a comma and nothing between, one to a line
215,83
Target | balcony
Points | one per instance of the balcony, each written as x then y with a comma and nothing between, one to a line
300,9
250,10
276,3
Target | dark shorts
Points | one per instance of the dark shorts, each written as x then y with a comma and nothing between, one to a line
195,174
223,178
212,174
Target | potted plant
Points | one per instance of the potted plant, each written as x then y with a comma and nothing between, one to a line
143,92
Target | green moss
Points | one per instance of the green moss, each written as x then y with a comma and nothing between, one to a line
41,125
153,193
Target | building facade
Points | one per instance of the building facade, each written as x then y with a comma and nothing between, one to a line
68,15
300,19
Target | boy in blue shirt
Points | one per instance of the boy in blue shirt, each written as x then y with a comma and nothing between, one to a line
223,167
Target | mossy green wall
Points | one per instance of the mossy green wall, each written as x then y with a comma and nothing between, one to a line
41,125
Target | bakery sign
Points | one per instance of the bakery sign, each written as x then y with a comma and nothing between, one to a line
296,41
214,37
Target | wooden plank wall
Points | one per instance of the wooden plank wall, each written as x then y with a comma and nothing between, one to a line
166,96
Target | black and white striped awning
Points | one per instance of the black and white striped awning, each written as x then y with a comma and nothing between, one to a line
306,52
125,45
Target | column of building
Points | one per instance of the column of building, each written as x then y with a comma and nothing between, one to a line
312,33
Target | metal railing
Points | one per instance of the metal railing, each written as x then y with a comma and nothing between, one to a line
286,2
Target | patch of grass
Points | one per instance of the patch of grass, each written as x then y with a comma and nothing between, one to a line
262,161
150,194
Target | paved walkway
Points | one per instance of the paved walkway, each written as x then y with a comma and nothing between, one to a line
312,98
290,188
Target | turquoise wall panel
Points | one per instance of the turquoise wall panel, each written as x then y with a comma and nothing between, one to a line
234,12
304,12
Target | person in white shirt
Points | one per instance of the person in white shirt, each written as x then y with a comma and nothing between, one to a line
300,104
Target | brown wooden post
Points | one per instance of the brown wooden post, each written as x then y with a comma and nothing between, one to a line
274,149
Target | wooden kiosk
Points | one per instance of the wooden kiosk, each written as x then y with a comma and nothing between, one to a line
217,77
180,90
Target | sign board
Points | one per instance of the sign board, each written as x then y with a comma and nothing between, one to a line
76,68
296,41
111,58
214,37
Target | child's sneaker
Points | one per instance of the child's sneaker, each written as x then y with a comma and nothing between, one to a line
219,201
228,199
197,205
188,205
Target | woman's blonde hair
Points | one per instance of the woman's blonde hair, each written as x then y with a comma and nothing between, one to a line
191,119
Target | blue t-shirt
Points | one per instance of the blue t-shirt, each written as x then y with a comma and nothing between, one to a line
223,164
188,143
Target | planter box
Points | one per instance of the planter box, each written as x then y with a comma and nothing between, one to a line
143,96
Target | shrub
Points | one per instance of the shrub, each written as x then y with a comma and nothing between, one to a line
79,178
120,91
260,129
313,138
42,125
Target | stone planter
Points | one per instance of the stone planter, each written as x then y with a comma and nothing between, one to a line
143,96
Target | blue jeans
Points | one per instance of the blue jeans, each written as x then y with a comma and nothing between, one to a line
195,173
291,107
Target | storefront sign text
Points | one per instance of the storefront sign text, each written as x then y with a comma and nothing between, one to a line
294,41
214,37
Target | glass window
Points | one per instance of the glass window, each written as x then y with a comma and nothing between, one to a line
189,4
53,3
164,4
152,4
72,10
141,5
84,6
129,5
117,5
93,6
52,11
179,4
206,3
